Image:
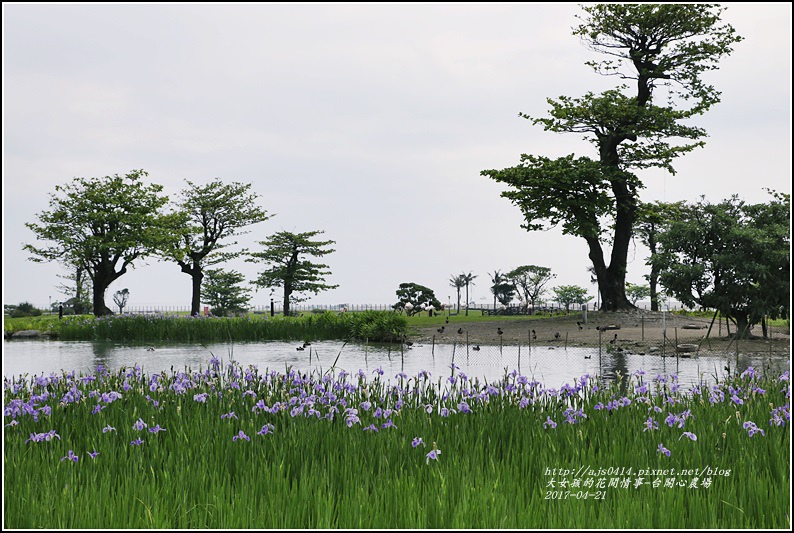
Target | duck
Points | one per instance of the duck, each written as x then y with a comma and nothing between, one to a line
460,331
534,336
499,331
476,348
441,329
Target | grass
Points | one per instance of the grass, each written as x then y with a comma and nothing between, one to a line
376,326
320,466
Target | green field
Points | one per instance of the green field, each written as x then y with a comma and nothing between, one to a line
232,447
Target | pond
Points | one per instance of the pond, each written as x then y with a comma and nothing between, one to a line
553,366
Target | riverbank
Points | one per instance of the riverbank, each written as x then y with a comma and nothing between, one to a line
637,331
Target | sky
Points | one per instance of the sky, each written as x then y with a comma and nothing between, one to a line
371,122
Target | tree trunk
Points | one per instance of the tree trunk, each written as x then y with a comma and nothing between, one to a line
197,276
287,293
100,287
611,281
195,302
653,278
467,299
101,278
742,324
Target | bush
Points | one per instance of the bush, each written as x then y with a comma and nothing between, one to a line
25,309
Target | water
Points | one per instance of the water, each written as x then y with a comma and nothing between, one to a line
553,366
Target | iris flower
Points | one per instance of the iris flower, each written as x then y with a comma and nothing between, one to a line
71,456
663,450
241,435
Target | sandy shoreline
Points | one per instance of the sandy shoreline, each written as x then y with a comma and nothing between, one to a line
636,331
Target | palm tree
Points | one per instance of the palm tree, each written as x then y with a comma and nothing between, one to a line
458,282
468,279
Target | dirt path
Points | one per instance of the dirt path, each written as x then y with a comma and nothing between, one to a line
638,331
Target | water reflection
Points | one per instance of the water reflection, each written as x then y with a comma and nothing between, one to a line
552,366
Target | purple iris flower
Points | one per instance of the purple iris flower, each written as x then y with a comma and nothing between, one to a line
267,428
549,422
157,429
388,424
371,427
688,434
229,415
71,456
651,424
139,425
137,442
663,450
93,454
108,428
241,435
752,429
417,441
202,398
433,454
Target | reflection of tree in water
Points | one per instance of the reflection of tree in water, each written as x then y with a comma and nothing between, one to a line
103,354
612,364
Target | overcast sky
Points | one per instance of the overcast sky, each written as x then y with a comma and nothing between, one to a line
369,121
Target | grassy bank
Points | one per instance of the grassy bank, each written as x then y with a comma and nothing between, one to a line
379,326
232,447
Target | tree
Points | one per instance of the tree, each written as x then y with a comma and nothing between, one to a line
530,281
103,226
571,294
635,292
208,216
652,218
657,45
222,291
77,289
732,257
502,288
414,298
284,252
120,298
458,282
468,279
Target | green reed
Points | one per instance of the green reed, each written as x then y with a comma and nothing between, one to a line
373,325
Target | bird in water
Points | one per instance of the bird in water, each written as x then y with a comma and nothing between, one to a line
588,356
499,331
300,348
476,348
150,349
441,329
557,335
460,331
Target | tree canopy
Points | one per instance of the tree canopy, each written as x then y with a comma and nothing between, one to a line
732,256
415,298
285,254
530,281
667,46
102,226
208,216
222,291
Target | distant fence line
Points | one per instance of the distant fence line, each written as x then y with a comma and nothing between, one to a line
278,308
